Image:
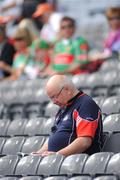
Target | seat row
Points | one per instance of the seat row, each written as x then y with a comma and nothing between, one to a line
28,144
108,106
34,126
61,177
42,125
96,164
28,110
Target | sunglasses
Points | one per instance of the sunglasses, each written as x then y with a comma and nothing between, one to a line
19,39
67,26
114,18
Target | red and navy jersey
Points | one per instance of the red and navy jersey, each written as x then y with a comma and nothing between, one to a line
81,117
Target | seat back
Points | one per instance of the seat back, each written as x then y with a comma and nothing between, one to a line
96,163
13,145
50,165
73,164
111,144
8,164
32,144
27,165
113,166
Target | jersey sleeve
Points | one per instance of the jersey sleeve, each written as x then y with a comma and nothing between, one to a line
86,121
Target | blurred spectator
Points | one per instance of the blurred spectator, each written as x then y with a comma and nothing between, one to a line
30,25
70,53
51,20
22,42
7,50
39,60
112,43
12,10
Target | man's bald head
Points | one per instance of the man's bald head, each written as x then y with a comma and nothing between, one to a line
60,89
58,81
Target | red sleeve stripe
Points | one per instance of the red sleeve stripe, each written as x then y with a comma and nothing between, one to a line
85,127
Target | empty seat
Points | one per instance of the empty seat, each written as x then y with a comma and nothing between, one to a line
33,109
2,141
13,145
111,144
96,163
1,107
4,126
81,178
50,165
73,164
106,177
99,100
111,105
33,126
31,178
114,90
41,96
51,109
16,110
109,66
32,144
113,166
46,126
5,114
100,91
56,178
27,165
112,123
16,127
80,80
8,164
9,178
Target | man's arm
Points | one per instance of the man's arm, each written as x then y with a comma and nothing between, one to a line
79,145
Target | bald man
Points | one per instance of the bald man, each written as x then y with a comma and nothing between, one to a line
78,123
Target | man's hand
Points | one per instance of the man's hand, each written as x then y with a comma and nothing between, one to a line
46,153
